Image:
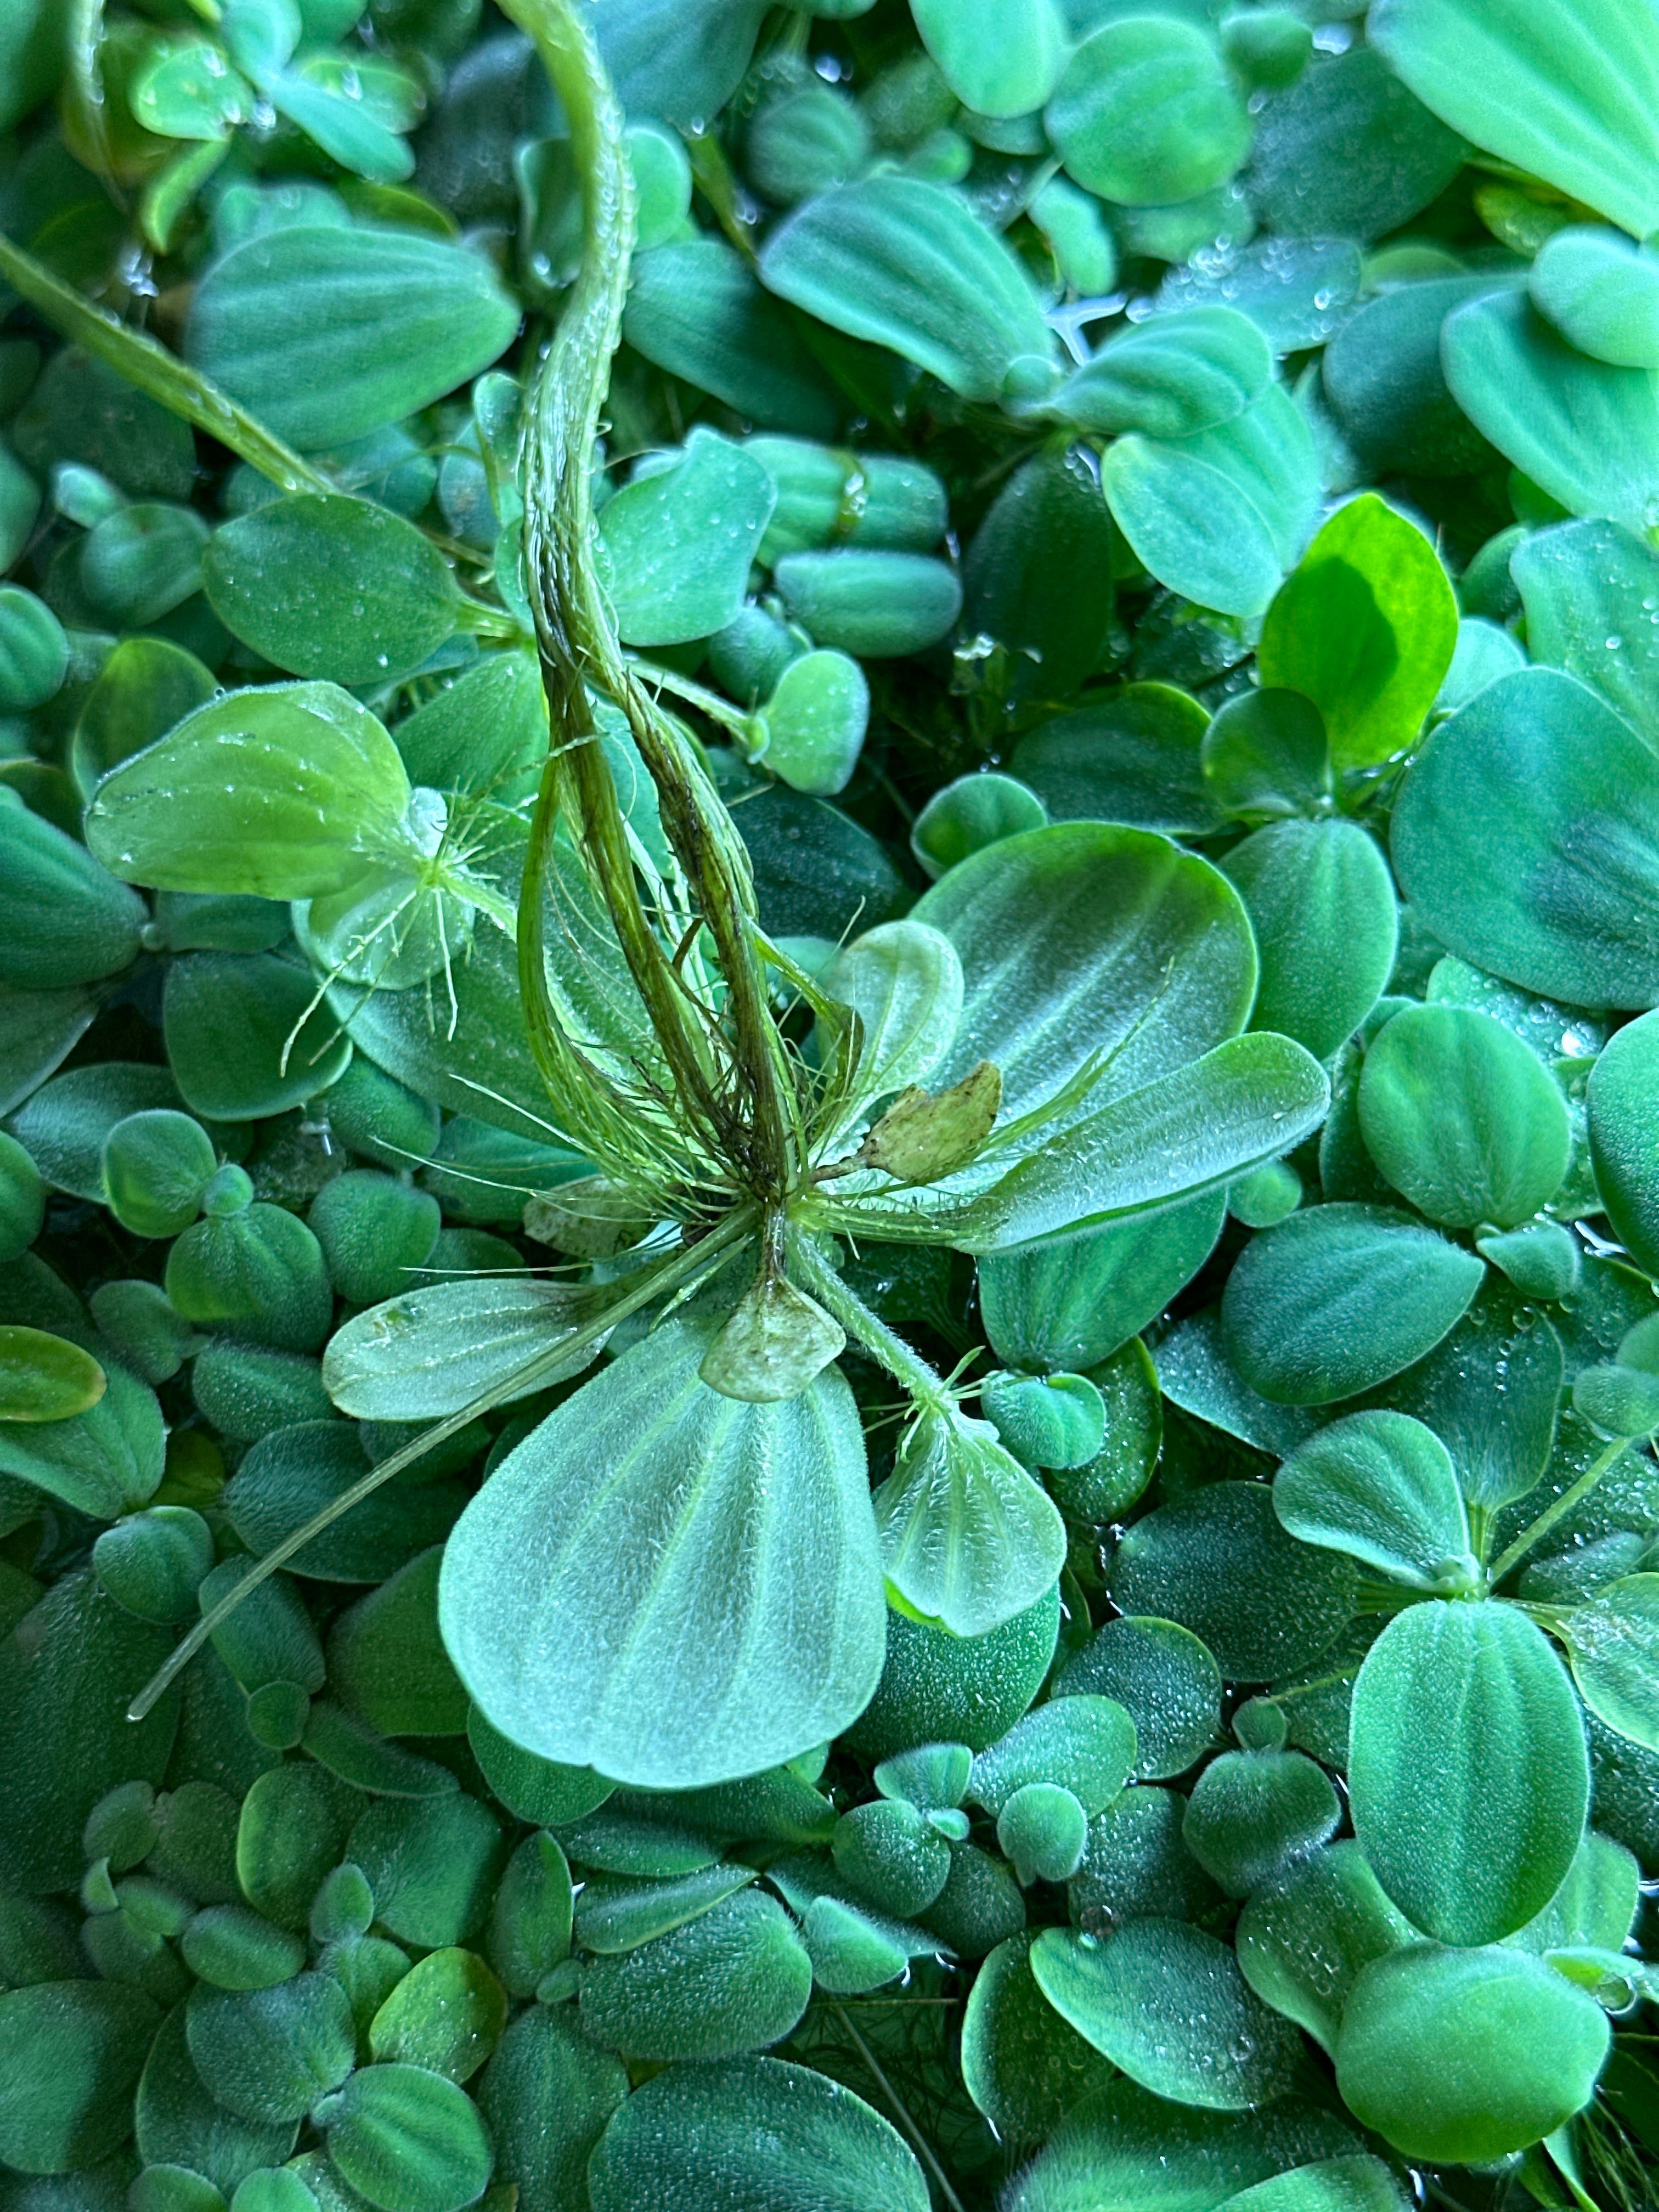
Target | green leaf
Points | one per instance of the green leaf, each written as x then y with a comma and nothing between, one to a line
433,1863
1166,1679
1219,516
70,2057
1525,837
434,1350
1120,2149
679,543
1382,1487
731,1981
38,1030
861,600
619,1915
1134,1863
681,62
244,1038
757,2135
1568,92
646,1505
1075,1302
695,309
1346,152
1082,1744
1601,292
531,1788
1462,1117
104,1461
936,1687
1360,2183
407,2139
317,783
1033,581
1254,1813
1304,1936
1338,1298
44,1377
1467,1772
1083,940
482,1067
291,1831
236,1949
1322,903
301,1468
815,720
1383,374
1219,1564
1167,2003
176,2122
998,59
1176,373
66,919
906,264
904,982
33,650
326,333
1055,1422
1146,113
1586,433
1596,1905
1465,2056
158,1165
546,2096
1133,756
1620,1106
330,587
1196,1372
1365,628
1022,2065
530,1919
1585,587
1237,1108
269,2055
967,1539
152,1562
1613,1645
337,115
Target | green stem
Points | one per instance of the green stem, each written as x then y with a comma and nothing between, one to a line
924,1382
157,373
654,1284
698,696
1563,1505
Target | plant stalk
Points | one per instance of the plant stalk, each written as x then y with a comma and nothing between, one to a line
923,1383
579,646
1563,1505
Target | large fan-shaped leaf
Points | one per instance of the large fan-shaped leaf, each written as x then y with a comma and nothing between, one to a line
1528,839
670,1585
1568,89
